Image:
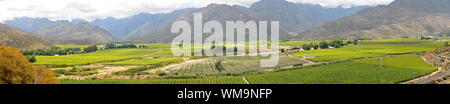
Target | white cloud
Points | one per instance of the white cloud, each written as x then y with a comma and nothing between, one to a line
343,3
93,9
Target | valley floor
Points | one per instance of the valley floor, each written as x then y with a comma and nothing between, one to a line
356,64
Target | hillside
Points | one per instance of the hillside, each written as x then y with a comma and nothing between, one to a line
14,37
402,18
62,32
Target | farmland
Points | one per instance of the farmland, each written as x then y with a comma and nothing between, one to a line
397,40
72,46
396,69
296,43
365,51
95,57
228,64
145,61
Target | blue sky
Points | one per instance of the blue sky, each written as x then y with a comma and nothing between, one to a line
94,9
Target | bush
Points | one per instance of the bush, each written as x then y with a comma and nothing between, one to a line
219,66
161,73
296,65
323,45
31,59
306,47
16,69
90,49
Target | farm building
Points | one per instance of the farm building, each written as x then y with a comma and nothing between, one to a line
309,56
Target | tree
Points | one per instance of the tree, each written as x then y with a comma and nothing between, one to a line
337,43
110,45
349,42
323,45
31,59
90,49
15,69
355,42
219,66
306,47
315,46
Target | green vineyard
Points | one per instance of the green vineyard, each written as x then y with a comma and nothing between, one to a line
230,64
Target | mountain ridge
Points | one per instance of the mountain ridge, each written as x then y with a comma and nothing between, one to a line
62,30
264,10
20,39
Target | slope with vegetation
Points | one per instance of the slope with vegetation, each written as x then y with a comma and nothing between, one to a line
14,37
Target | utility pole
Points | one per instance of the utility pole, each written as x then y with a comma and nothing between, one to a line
380,62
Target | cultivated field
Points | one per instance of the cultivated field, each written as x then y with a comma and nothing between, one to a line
395,69
365,51
145,61
397,40
100,56
228,64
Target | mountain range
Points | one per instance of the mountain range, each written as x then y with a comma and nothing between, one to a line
62,32
401,18
293,17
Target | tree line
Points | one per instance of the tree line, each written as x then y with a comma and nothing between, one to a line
325,44
112,46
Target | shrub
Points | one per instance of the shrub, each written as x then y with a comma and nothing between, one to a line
323,45
16,69
161,73
296,65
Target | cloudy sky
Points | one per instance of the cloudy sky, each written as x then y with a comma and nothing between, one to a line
93,9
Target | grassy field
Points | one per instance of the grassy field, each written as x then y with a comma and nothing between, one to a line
364,51
145,61
396,69
72,46
297,43
221,80
397,40
103,55
165,53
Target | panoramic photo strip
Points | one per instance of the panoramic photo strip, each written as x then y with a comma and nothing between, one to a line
205,50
